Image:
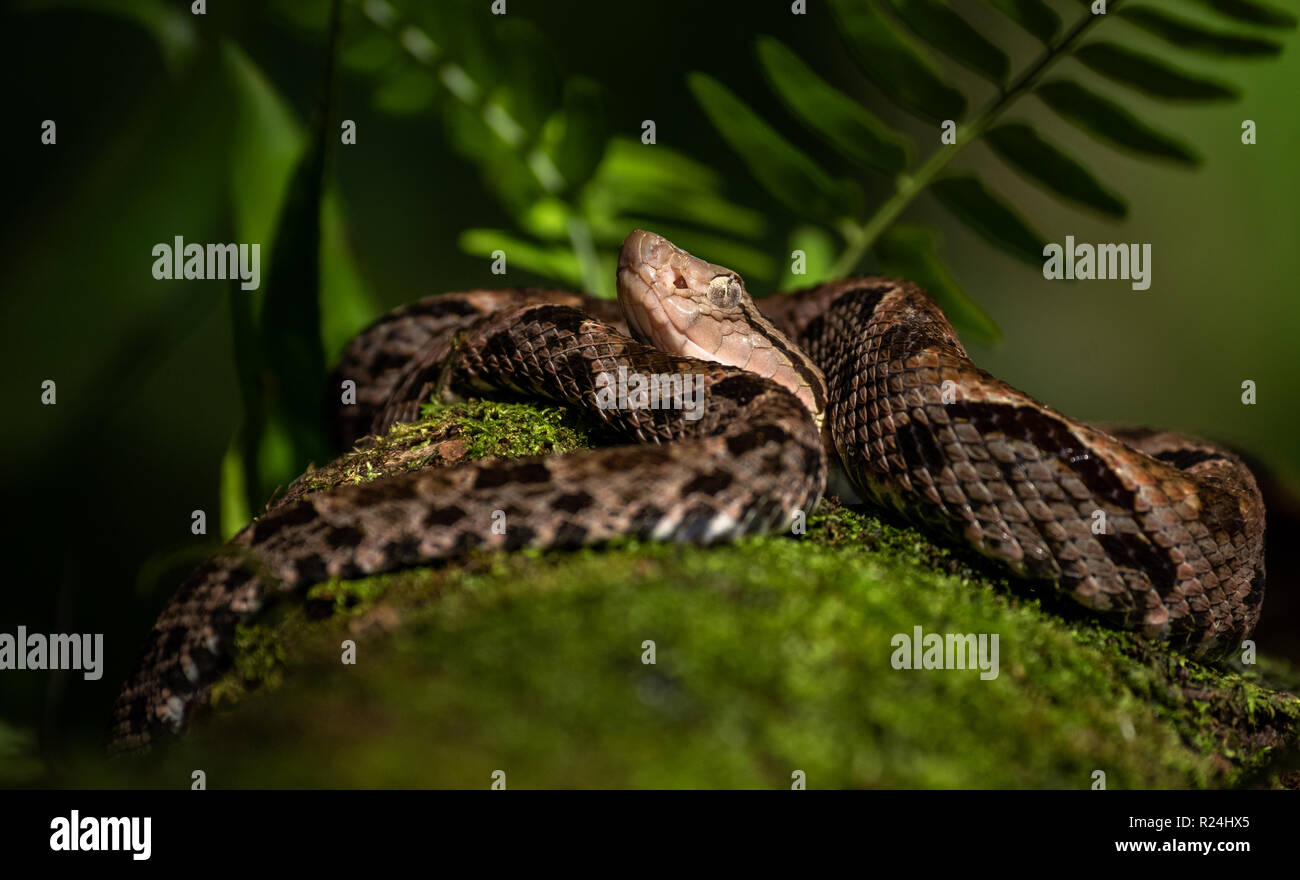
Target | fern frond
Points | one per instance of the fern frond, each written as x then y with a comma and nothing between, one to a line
891,42
541,141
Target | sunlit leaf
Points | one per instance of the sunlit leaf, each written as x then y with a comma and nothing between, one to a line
1034,16
841,121
784,170
1187,35
912,252
989,216
628,158
894,64
816,249
1022,147
660,182
1144,73
546,219
698,208
947,31
1252,12
1110,122
235,511
559,263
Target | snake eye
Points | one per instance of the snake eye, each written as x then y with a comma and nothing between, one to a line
724,291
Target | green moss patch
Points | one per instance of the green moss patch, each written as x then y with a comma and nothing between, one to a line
771,658
450,433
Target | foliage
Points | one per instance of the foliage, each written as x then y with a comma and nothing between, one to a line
573,188
541,142
882,38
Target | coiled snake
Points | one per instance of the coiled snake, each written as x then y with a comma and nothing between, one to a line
878,376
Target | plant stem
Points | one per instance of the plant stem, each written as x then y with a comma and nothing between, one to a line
859,237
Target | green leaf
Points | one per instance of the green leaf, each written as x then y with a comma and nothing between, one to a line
1144,73
293,352
912,252
634,178
1186,35
546,219
529,88
784,170
502,169
346,302
628,158
574,137
1252,12
235,512
947,31
370,53
1022,147
1104,119
266,152
411,91
894,64
702,209
291,433
559,263
818,249
267,143
477,50
989,216
841,121
1034,16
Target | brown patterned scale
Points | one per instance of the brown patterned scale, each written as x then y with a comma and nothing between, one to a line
877,372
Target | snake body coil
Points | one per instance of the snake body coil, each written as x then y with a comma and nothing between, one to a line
874,369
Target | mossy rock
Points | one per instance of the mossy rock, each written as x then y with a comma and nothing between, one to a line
771,657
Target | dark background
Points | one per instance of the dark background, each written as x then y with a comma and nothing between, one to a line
100,487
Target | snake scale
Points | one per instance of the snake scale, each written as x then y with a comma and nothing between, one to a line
864,376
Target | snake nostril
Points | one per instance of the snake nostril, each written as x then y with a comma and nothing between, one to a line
679,282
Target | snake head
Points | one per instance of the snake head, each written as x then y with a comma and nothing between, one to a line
687,306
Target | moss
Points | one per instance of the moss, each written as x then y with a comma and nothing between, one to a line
259,662
450,433
20,763
772,655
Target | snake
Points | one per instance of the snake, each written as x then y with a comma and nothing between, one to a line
859,384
